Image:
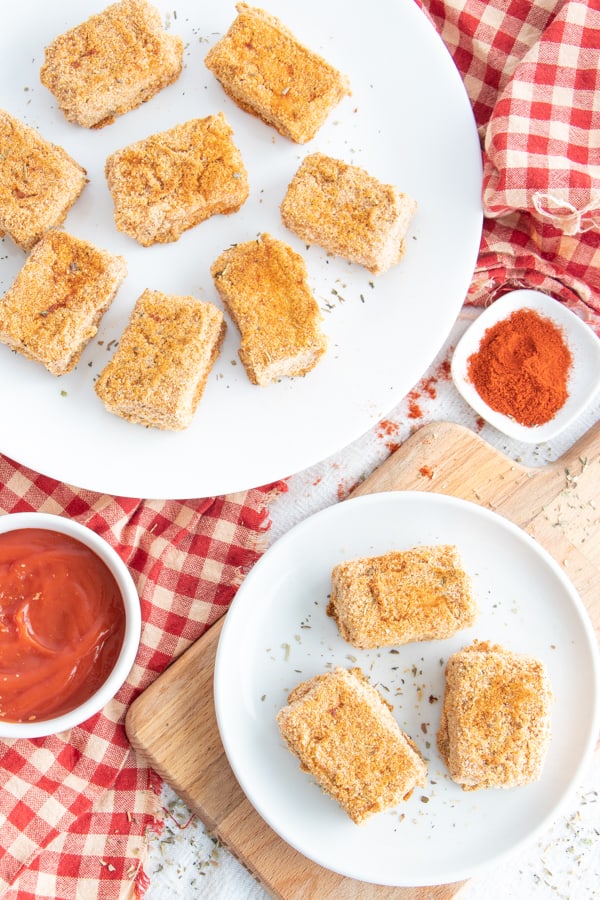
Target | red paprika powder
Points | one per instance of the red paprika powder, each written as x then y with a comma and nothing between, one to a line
521,368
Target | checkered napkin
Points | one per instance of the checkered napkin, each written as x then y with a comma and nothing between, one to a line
532,71
75,808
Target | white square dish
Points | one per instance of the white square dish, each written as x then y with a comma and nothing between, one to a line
584,376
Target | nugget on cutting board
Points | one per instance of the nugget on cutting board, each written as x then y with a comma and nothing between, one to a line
111,63
54,306
348,212
263,284
421,594
39,182
495,723
269,73
345,736
158,374
169,182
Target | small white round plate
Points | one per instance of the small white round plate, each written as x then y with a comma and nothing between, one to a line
584,377
277,633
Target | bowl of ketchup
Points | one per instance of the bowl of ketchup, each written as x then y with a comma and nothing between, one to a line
70,624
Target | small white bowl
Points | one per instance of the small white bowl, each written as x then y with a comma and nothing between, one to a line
131,640
584,377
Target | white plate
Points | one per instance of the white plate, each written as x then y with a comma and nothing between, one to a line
277,633
408,121
584,377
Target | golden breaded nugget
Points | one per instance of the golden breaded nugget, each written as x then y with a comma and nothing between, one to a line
495,724
158,374
348,212
263,284
169,182
421,594
269,73
345,736
39,182
111,63
57,300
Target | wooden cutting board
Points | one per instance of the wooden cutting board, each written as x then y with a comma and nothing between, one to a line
172,724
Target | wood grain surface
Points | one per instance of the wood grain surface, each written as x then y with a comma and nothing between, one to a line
172,724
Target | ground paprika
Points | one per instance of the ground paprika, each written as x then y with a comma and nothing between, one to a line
521,367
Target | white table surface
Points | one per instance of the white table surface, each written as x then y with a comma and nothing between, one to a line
564,863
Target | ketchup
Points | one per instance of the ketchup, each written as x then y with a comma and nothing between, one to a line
62,624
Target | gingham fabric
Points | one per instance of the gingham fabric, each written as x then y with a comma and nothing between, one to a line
75,808
532,72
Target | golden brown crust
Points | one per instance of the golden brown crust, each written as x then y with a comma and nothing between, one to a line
263,284
270,74
39,182
345,736
348,212
169,182
158,374
57,300
111,63
420,594
495,724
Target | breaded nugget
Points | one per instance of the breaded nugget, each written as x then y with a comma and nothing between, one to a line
263,284
421,594
269,73
348,212
111,63
158,374
57,300
167,183
39,182
495,724
345,736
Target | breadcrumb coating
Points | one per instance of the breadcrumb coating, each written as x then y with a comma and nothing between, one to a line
171,181
345,736
264,68
420,594
54,306
39,182
263,284
348,212
111,63
495,724
158,374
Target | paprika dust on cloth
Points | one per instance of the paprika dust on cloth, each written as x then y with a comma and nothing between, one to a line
521,368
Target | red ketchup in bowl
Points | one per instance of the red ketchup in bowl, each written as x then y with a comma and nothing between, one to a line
62,624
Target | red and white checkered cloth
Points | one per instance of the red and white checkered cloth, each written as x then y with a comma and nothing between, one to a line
532,72
75,809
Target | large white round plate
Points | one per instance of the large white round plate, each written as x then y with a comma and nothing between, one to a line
277,633
408,122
